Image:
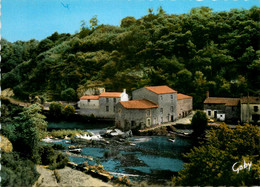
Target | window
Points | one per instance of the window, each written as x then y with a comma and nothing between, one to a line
88,100
209,112
255,108
171,108
148,113
161,110
161,97
107,108
114,108
114,100
171,96
107,99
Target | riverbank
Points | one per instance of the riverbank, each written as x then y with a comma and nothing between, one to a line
66,177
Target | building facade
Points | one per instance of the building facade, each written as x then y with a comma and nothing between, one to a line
184,105
250,109
164,96
223,109
101,106
89,101
150,106
136,114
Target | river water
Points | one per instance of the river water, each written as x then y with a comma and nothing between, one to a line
154,158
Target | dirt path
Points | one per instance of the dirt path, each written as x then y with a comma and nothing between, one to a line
68,177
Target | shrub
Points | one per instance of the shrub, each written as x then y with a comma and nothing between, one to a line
56,110
17,171
69,110
54,159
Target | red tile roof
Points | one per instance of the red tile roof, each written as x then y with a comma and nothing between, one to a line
91,97
160,89
182,96
110,94
222,100
250,99
138,104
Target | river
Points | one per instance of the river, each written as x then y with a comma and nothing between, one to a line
151,158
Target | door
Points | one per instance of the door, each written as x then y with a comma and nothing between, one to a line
215,113
171,117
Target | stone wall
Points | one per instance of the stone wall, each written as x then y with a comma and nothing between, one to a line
108,103
167,107
231,112
184,107
143,93
167,110
248,111
127,119
91,104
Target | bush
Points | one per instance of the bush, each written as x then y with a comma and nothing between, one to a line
17,171
58,147
56,110
55,159
69,110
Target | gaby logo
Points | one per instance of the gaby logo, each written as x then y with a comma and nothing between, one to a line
236,168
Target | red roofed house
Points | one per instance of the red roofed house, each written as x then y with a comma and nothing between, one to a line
150,106
103,105
89,101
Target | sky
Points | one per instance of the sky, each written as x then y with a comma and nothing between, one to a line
36,19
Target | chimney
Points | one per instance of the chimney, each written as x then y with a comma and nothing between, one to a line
207,94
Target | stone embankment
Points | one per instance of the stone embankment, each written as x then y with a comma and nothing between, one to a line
66,177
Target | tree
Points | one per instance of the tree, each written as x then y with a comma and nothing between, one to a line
127,22
212,163
31,127
56,110
69,95
199,124
93,22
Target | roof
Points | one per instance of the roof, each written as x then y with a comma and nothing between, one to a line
222,100
182,96
91,97
252,100
138,104
160,89
110,94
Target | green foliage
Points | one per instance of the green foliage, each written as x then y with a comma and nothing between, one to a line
69,95
69,110
56,110
127,22
55,159
199,124
211,163
31,127
203,50
17,171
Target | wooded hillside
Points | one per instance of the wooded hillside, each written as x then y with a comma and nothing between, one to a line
192,53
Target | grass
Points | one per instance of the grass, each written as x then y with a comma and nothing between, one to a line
66,132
